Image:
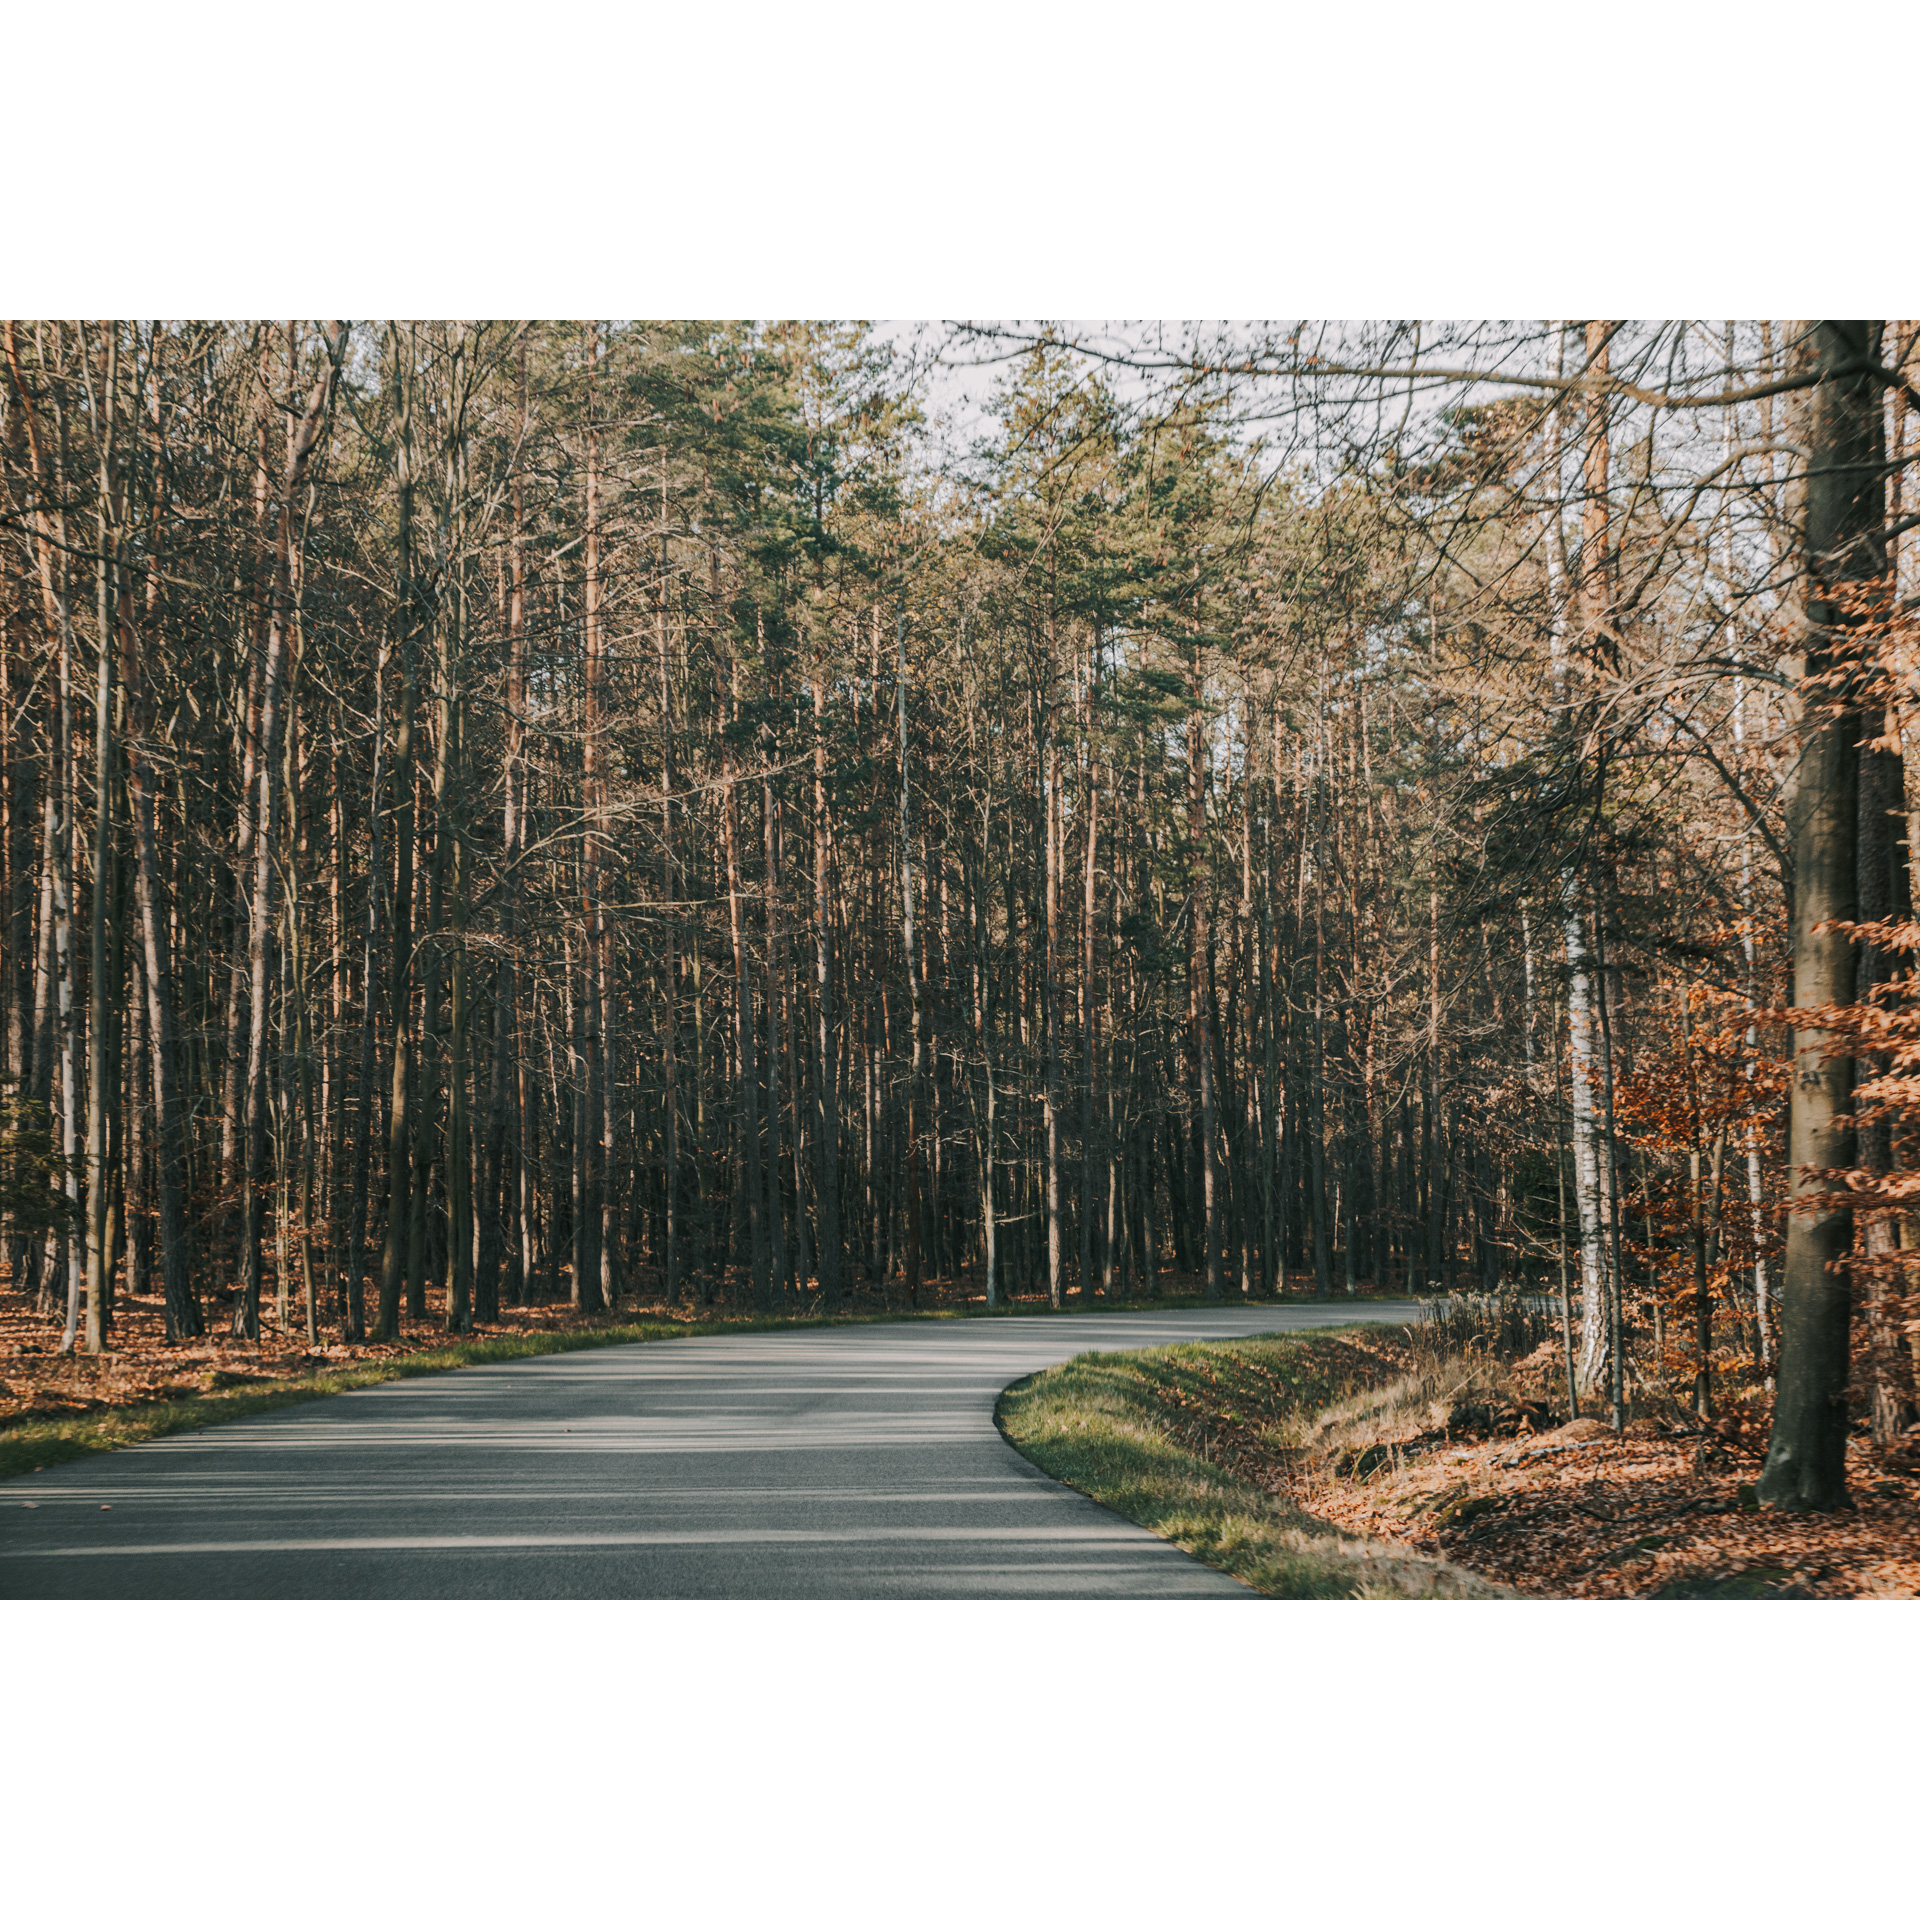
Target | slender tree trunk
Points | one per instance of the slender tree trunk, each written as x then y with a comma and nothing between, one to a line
354,1304
1586,1152
259,613
1092,1161
303,438
453,826
501,1089
1200,997
1580,1017
592,1146
1317,1118
183,1320
746,1067
670,1008
393,1259
1050,773
59,1039
826,1104
100,985
917,1064
781,1277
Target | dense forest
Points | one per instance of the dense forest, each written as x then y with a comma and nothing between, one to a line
687,811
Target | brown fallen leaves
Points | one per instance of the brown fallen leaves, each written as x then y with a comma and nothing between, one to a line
1574,1512
1647,1516
37,1382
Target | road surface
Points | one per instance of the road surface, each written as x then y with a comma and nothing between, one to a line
831,1463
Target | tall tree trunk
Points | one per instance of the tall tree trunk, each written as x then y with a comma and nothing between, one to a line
916,1066
1580,1015
354,1305
592,1146
1317,1118
1092,1160
1845,532
782,1274
1586,1148
504,1102
100,986
1050,964
746,1067
453,827
61,1040
183,1320
400,1128
258,613
1200,1009
669,969
826,1103
303,438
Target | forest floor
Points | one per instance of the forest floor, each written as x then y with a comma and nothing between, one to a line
54,1405
1463,1458
1179,1440
38,1382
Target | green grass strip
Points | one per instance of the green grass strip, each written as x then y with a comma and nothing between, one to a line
1110,1425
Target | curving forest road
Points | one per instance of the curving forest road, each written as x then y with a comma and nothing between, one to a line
842,1463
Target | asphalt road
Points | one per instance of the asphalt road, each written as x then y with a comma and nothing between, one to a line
842,1463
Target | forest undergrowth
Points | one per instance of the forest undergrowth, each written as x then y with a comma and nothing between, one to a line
1429,1441
1178,1439
1472,1456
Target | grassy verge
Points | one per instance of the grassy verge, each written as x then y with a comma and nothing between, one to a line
1179,1439
34,1443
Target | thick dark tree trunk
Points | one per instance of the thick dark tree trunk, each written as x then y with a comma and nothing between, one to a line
1845,495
